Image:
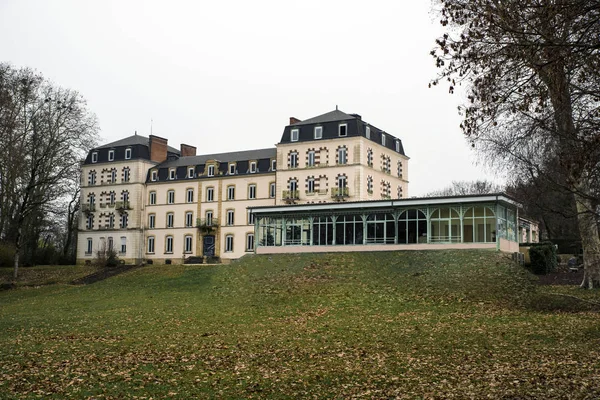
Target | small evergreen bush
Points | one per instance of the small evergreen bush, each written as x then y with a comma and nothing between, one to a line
543,258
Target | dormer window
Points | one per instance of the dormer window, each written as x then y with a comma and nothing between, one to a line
172,173
94,157
318,132
273,165
232,169
211,170
128,154
295,135
253,167
154,176
190,172
398,146
111,155
383,139
368,132
343,130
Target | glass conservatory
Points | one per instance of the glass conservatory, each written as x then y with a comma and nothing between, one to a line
482,221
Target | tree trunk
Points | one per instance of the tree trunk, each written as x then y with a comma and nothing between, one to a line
17,251
590,241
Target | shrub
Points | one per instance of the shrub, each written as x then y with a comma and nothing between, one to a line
543,258
7,255
107,258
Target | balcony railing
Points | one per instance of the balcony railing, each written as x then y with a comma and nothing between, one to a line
122,205
207,225
87,208
291,195
339,192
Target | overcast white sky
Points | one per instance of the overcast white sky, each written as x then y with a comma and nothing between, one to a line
227,75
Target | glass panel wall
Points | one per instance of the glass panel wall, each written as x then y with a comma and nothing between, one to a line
322,231
445,226
297,232
479,225
269,231
349,229
381,228
412,227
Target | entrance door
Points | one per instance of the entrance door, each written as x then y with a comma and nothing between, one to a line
208,246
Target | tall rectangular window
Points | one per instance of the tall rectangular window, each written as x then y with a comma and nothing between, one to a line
92,178
123,245
210,194
111,155
398,146
94,157
190,195
382,139
293,159
151,244
230,192
151,221
152,198
250,242
252,191
172,173
169,244
127,154
310,185
368,132
342,155
89,246
154,176
188,244
343,130
126,174
211,170
295,135
230,217
272,190
189,219
273,165
209,218
90,222
253,167
250,218
229,243
113,176
318,132
232,169
171,197
191,172
124,221
170,220
311,158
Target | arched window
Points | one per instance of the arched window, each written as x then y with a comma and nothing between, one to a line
412,227
445,226
479,225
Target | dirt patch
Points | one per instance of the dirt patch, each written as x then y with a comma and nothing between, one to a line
103,274
562,277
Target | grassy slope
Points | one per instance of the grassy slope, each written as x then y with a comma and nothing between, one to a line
414,324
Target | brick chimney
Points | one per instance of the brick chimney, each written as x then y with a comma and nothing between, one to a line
187,150
294,120
158,149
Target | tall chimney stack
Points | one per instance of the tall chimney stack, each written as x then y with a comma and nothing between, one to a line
187,150
158,149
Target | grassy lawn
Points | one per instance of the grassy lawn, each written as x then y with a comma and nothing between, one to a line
451,324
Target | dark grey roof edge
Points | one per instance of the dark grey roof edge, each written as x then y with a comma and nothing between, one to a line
462,196
132,141
242,155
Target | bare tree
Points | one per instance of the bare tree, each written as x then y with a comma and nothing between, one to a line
461,188
532,74
47,130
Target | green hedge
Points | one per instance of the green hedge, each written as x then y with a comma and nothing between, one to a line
543,258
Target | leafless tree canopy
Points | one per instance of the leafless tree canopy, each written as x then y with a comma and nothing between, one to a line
45,131
461,188
531,71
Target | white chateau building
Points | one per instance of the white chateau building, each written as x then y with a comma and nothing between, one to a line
149,201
